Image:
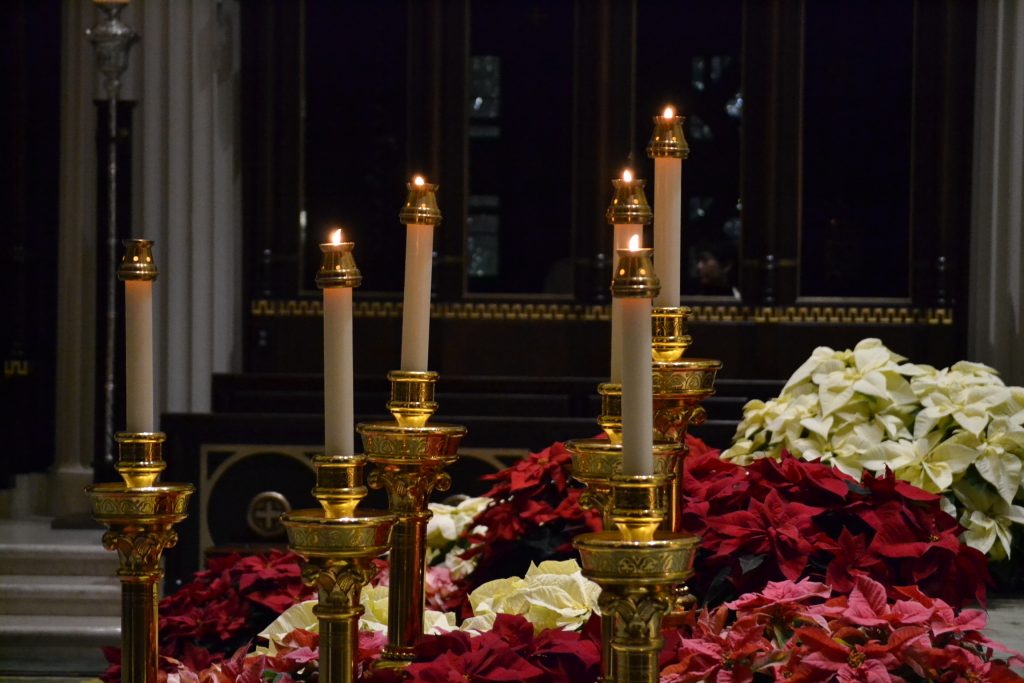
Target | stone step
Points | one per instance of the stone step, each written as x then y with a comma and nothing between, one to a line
31,547
61,595
66,645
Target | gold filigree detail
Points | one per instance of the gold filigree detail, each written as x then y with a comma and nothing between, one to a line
408,488
139,549
338,584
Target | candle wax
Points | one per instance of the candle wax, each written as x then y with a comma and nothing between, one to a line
637,389
138,318
339,415
668,172
419,251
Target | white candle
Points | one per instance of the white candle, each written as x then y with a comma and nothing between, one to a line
419,253
138,318
668,201
637,390
339,414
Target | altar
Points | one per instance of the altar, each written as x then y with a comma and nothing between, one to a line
413,341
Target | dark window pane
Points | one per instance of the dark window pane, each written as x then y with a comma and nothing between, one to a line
855,237
520,148
688,55
355,134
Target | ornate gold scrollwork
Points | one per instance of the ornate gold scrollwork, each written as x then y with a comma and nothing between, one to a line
139,548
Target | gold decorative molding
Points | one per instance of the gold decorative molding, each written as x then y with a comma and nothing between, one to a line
504,311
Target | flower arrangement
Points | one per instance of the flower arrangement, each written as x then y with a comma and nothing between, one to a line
801,632
804,572
958,431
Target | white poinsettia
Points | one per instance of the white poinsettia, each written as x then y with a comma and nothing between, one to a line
868,409
551,595
988,519
374,600
449,521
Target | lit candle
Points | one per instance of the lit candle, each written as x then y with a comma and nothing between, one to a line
138,271
628,213
420,214
337,276
668,148
633,285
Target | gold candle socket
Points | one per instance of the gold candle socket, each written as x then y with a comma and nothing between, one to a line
338,266
610,419
139,514
637,569
420,204
667,139
137,263
409,456
597,462
339,543
629,203
669,336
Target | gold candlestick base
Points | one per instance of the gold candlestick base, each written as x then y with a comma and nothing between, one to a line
339,543
409,457
139,514
637,569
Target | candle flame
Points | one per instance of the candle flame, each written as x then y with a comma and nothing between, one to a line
336,236
418,181
627,176
634,243
669,113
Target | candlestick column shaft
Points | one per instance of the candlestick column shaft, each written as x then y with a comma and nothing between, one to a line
339,414
407,575
668,172
138,297
339,643
419,250
637,406
622,232
139,622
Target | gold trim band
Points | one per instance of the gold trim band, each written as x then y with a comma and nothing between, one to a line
857,315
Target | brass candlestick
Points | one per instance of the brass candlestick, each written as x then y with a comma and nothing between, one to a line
339,543
679,385
637,568
139,513
410,456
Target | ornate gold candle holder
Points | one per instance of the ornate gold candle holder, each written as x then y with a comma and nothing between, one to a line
638,569
409,456
597,462
339,543
139,513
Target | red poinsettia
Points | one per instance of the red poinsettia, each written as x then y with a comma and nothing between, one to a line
508,652
535,516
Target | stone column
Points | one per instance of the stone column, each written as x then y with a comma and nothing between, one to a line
76,271
190,190
996,299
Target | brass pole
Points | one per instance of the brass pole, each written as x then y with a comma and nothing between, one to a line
139,643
